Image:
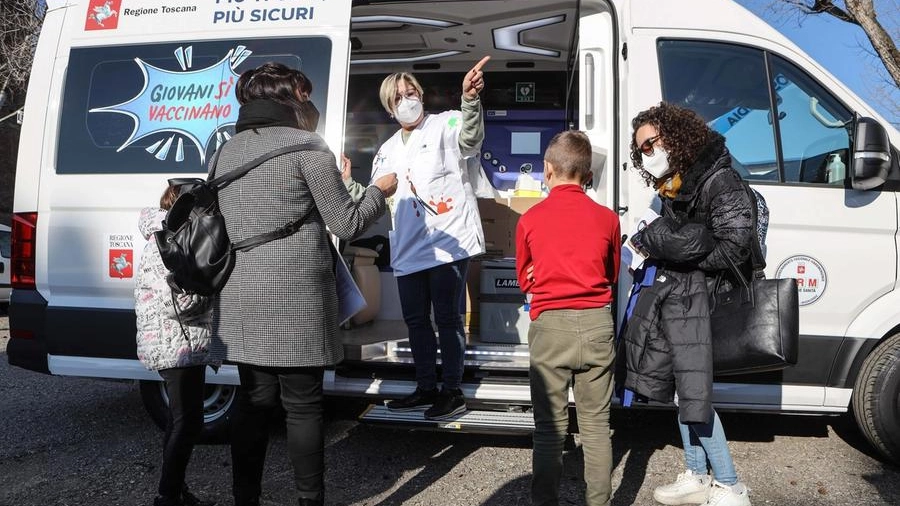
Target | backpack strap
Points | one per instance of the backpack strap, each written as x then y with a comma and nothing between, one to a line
757,259
220,182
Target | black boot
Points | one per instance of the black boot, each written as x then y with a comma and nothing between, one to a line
189,499
310,502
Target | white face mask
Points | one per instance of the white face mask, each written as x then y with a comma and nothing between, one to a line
409,110
658,164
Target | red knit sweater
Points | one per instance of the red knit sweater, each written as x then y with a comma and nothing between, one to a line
574,244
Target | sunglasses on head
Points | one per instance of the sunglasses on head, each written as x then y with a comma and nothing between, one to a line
646,147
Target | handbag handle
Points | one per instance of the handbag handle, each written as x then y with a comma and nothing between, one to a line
747,287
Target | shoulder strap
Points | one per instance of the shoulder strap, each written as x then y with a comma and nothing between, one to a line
316,144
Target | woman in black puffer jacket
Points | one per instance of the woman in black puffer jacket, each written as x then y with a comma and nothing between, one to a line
706,217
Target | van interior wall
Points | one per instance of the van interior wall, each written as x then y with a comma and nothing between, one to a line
527,98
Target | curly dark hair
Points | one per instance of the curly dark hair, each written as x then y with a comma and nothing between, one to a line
683,131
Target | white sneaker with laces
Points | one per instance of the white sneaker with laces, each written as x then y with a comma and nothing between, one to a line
727,495
688,488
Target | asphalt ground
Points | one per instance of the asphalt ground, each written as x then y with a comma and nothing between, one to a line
74,441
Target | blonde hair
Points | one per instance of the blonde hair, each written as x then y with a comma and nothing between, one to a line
388,91
570,154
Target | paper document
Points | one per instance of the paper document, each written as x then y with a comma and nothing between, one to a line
350,298
630,255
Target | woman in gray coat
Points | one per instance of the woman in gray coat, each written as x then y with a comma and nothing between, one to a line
277,315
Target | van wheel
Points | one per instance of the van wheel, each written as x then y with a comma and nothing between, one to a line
876,398
218,407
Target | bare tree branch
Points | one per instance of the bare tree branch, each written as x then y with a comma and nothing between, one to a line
20,24
864,12
861,13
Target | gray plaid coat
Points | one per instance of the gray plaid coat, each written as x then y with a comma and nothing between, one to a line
279,307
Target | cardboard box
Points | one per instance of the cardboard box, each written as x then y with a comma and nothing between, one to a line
499,218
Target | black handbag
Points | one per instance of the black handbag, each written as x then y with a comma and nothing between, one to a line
755,325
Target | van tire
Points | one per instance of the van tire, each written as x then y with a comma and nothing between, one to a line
218,407
876,398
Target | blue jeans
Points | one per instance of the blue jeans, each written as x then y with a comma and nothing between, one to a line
441,287
706,441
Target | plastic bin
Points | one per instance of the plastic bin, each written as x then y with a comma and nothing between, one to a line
503,316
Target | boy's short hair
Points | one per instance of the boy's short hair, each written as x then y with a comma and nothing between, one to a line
389,86
570,154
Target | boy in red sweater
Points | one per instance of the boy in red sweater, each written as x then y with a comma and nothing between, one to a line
567,258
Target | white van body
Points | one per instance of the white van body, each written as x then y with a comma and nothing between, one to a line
111,114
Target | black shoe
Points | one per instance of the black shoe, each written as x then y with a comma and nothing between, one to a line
419,399
310,502
164,500
448,404
189,499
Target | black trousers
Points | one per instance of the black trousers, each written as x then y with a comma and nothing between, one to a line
184,386
299,391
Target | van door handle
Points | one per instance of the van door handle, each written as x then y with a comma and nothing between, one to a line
2,267
589,91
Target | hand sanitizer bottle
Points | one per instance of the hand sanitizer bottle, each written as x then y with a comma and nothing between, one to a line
835,170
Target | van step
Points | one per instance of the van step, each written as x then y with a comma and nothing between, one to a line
483,422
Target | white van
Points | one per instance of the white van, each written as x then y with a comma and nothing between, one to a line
127,93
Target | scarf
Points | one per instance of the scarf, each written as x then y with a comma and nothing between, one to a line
265,113
668,188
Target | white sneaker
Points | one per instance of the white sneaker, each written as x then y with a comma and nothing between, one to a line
726,495
689,488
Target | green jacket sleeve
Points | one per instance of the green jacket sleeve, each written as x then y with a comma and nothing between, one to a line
472,133
355,189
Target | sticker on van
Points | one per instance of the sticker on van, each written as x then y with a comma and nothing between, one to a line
120,258
810,275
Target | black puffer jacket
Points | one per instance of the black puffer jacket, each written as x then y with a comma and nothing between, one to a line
667,340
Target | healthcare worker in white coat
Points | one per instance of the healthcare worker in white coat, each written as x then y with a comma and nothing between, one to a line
436,229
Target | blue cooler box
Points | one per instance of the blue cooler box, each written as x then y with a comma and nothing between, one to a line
503,315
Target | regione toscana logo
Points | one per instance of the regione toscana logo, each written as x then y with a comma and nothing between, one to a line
192,105
102,15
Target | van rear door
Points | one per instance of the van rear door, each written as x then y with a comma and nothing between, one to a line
142,92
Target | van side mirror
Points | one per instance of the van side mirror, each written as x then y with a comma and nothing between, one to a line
871,155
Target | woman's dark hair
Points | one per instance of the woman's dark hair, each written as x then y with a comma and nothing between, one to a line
282,84
684,135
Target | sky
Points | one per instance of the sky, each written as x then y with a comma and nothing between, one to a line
842,48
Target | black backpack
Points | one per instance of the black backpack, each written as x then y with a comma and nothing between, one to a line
194,243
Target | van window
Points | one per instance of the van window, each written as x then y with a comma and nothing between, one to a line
165,108
813,127
730,87
5,250
727,86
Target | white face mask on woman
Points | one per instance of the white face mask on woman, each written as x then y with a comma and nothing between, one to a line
409,110
657,165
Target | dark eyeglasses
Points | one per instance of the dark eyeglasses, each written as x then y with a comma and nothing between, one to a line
646,147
